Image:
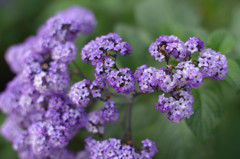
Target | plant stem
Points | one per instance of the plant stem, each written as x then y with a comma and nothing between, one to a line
116,94
127,136
78,71
129,127
136,94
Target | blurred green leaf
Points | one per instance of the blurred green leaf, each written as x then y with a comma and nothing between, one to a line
151,14
236,21
208,109
184,33
6,150
235,28
222,40
233,76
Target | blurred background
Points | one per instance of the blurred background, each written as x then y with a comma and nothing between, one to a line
214,130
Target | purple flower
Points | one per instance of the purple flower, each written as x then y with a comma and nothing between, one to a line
188,74
149,149
65,53
178,107
110,112
213,64
194,45
100,48
45,119
147,78
67,25
122,81
165,46
79,93
95,123
82,155
113,148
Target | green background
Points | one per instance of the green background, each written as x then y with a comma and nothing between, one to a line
213,131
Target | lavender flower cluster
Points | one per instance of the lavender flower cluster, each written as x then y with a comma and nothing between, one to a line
45,112
103,52
113,148
42,118
177,81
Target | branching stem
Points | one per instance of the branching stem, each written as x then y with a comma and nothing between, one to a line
127,136
78,71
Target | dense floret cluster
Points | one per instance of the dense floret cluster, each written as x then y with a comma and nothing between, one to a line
46,108
97,50
122,80
42,119
177,81
96,119
165,46
113,148
102,53
178,108
79,93
214,64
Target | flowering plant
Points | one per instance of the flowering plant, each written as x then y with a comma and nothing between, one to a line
46,108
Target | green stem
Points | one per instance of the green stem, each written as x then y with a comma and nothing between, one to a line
78,71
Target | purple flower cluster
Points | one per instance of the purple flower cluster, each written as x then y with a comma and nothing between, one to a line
187,74
150,79
113,148
68,24
110,111
97,49
122,80
42,118
165,46
79,93
96,87
103,52
177,81
43,59
45,128
97,119
177,108
194,45
213,64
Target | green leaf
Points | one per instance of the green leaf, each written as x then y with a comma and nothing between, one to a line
235,28
222,40
184,32
6,150
151,14
233,76
236,21
208,109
